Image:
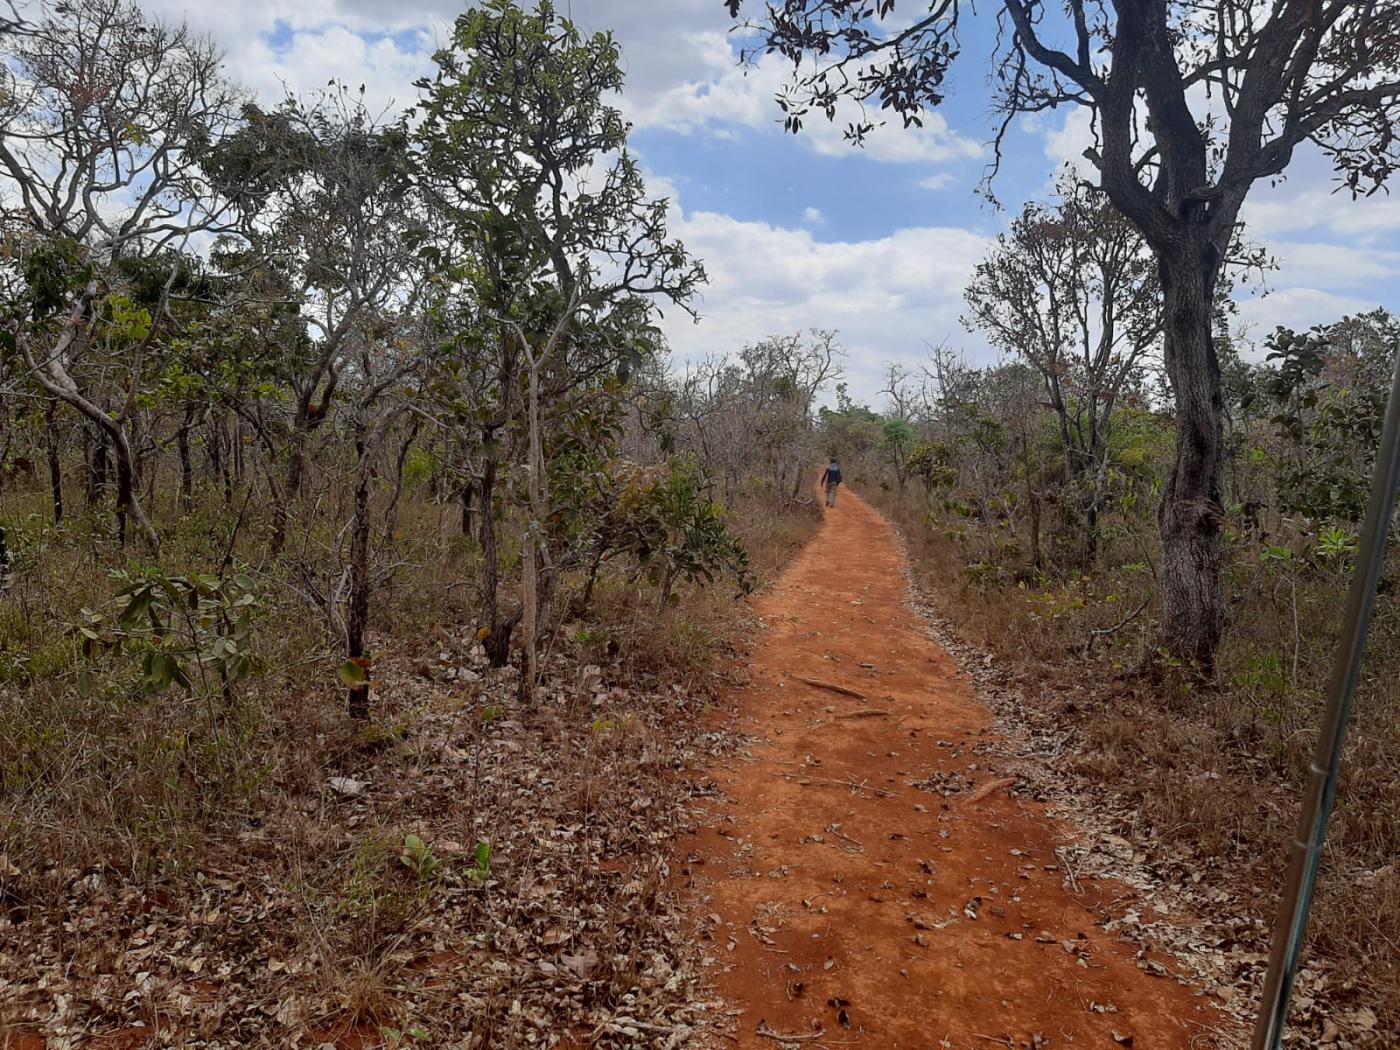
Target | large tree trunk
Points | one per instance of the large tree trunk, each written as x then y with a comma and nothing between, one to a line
226,440
296,452
1091,531
96,488
464,498
1032,503
530,562
240,467
296,467
1193,597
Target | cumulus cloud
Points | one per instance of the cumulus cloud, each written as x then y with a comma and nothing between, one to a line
1282,210
938,181
722,96
887,297
682,68
1297,308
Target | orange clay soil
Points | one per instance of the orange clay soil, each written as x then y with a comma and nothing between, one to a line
845,884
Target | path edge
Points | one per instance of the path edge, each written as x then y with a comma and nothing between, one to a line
1023,727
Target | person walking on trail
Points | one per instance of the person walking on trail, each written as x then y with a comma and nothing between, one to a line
830,480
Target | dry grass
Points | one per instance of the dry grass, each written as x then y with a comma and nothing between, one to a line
167,862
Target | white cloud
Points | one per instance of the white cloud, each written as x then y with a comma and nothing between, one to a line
886,297
1065,145
1302,205
813,216
720,95
315,56
1298,309
939,181
682,72
1322,265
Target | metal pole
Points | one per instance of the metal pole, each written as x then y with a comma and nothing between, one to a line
1326,763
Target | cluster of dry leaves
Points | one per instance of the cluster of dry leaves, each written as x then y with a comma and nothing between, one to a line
531,907
1180,900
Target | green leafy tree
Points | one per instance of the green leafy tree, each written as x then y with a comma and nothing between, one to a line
1191,105
553,236
1072,290
1329,387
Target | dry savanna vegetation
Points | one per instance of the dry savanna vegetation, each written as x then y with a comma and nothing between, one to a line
367,577
371,578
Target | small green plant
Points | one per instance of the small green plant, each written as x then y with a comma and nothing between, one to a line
985,575
395,1037
1334,544
355,671
418,858
480,870
183,628
1265,675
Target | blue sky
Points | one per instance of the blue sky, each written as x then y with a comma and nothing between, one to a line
805,231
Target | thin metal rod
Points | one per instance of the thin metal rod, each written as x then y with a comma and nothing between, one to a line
1326,763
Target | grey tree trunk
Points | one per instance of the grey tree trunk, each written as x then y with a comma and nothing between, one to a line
182,441
498,631
1193,597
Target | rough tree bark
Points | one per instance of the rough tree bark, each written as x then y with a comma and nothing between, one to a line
182,442
1193,597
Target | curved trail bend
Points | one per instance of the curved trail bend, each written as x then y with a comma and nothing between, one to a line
845,894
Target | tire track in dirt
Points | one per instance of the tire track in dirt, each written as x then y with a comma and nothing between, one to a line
869,879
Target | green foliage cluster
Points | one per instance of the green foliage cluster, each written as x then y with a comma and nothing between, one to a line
182,629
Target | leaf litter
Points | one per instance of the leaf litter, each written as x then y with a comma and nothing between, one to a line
490,875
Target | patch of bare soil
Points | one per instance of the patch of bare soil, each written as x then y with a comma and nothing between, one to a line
881,870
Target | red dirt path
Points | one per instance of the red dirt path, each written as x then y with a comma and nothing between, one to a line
846,910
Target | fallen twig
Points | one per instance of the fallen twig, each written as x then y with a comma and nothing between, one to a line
1063,855
765,1031
987,788
854,785
866,714
816,683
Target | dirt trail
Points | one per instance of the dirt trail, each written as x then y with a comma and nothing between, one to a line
839,884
